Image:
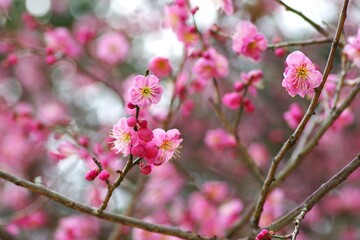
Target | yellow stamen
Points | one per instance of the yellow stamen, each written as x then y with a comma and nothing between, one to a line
302,72
146,91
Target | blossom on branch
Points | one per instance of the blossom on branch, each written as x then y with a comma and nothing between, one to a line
124,136
168,143
145,91
300,76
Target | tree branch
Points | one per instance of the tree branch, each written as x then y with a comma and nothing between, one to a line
111,217
300,14
296,159
315,197
293,138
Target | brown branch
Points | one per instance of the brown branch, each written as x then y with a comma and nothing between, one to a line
296,231
320,29
297,133
99,165
295,160
250,163
319,194
111,217
314,41
241,150
117,232
300,43
341,80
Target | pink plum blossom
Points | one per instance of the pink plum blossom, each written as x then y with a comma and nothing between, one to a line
232,100
175,16
252,79
300,76
248,41
188,35
259,153
215,190
77,227
104,175
211,64
32,220
124,136
219,139
294,115
60,40
145,91
345,119
160,66
168,143
112,47
352,48
5,4
225,5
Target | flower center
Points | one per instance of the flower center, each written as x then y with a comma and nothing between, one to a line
302,72
146,91
252,45
166,145
126,138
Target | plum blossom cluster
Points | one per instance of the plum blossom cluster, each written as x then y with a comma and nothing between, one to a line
300,76
134,137
209,211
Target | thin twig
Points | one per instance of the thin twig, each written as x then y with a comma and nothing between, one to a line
296,231
300,14
341,81
117,232
99,165
295,159
315,41
122,174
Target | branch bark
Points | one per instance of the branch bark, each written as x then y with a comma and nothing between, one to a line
111,217
319,194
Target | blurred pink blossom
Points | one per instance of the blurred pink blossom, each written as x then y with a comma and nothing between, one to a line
352,48
112,47
211,64
77,227
294,115
232,100
160,66
219,139
60,40
248,41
